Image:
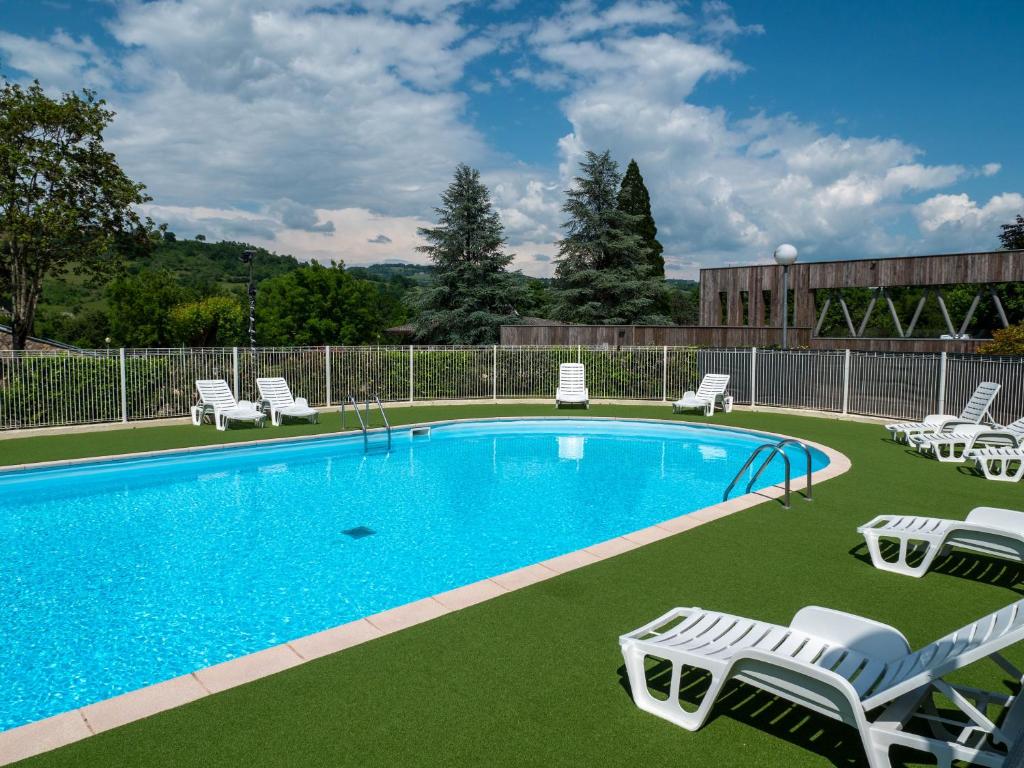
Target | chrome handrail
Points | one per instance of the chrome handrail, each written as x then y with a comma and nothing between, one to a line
384,416
364,418
362,423
775,448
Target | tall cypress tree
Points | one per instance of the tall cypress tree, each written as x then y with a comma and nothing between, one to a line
473,292
634,199
602,275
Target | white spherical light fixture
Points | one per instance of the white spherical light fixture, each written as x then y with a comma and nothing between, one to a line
785,255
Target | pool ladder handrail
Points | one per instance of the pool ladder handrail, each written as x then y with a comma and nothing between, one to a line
776,448
363,421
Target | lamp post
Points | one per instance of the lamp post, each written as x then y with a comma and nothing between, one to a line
248,257
785,256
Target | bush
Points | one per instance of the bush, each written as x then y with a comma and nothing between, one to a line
1008,341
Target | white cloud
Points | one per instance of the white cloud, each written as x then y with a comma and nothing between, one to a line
326,129
956,222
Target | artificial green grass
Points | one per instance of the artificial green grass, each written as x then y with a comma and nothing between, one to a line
535,677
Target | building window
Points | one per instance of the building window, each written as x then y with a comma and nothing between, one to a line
766,303
745,302
723,303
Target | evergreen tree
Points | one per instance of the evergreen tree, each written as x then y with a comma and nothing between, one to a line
636,200
602,274
473,292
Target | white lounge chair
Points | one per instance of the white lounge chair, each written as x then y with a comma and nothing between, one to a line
988,530
572,385
1006,464
956,446
974,412
852,669
276,396
712,388
216,400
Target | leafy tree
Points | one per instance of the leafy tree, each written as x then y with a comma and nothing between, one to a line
140,308
316,305
216,321
602,273
473,292
1005,341
635,200
1012,236
63,198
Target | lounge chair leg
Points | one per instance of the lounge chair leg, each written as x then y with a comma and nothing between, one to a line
670,709
932,550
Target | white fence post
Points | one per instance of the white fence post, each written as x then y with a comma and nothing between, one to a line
579,353
664,373
753,378
410,375
846,382
124,389
234,362
494,371
327,373
942,384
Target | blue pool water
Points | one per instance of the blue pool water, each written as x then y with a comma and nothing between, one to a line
118,574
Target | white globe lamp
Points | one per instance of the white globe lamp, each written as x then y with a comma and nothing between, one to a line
785,257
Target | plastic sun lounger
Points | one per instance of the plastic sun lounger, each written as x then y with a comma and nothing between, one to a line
974,412
987,530
572,385
276,396
1006,464
956,446
848,668
216,399
712,388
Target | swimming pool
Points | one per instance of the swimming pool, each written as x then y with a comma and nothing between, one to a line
121,573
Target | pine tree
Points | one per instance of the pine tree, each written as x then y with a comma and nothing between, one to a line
602,274
636,200
473,292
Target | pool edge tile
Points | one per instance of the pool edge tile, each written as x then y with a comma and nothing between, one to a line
570,561
408,615
245,669
524,577
138,704
612,547
470,594
43,735
334,639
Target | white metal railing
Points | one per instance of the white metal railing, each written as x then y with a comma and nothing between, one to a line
49,389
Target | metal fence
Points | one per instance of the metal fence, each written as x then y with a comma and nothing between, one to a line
49,389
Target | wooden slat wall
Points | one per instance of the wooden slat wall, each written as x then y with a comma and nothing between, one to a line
722,336
804,278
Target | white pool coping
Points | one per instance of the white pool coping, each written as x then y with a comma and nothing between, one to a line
74,725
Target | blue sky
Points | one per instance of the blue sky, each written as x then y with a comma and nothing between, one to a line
850,129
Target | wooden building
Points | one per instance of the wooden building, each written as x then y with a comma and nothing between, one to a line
742,306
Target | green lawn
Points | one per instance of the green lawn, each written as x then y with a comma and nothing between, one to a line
535,677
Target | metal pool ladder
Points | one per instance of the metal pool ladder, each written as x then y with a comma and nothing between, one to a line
775,448
363,421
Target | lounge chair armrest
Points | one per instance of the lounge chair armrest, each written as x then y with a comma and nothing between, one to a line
301,401
797,680
871,638
877,522
952,424
935,419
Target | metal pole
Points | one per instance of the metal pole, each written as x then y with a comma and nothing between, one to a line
327,373
664,374
846,382
753,378
124,389
785,304
494,371
410,374
234,361
942,384
252,307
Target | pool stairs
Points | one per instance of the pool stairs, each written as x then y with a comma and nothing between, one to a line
364,417
774,449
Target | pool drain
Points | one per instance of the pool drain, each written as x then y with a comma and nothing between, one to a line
360,532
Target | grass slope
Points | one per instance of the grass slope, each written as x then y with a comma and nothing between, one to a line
535,677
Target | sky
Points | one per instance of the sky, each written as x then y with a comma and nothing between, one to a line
329,130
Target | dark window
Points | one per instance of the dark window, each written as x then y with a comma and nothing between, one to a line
766,299
723,301
745,301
